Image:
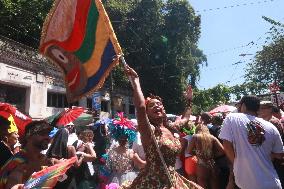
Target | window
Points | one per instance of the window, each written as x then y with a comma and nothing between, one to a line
89,103
58,100
13,95
104,106
54,100
49,99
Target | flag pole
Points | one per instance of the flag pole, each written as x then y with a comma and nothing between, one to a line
153,137
124,65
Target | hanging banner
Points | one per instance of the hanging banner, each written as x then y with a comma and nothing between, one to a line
96,101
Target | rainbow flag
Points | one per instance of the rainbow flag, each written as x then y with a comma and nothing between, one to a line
11,164
48,177
78,37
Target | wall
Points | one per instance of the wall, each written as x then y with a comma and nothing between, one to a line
22,66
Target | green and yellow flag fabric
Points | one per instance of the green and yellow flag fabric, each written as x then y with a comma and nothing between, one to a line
78,37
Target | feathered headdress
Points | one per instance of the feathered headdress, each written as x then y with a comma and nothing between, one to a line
121,127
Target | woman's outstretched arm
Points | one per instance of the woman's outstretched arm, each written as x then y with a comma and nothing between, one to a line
139,103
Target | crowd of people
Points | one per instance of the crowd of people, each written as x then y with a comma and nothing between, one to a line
220,151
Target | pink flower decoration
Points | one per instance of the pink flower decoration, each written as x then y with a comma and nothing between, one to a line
123,121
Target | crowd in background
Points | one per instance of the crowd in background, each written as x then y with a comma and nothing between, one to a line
110,153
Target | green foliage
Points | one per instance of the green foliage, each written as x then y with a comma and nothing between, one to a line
268,65
119,78
205,100
159,40
248,88
22,20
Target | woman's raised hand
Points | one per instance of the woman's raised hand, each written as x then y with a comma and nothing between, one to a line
188,94
132,76
130,72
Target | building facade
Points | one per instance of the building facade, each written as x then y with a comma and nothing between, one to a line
36,87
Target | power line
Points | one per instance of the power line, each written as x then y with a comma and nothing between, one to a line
235,79
234,73
229,49
236,64
250,44
234,6
227,66
226,7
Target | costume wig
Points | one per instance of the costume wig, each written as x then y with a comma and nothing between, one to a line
122,127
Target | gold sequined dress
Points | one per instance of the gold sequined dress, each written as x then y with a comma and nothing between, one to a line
153,176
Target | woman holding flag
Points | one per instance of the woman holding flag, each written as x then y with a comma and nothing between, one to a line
160,145
73,39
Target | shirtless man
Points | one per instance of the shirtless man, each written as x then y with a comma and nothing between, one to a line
29,160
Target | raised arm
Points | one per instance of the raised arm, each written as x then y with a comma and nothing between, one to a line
139,103
178,125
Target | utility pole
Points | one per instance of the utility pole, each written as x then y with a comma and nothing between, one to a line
111,95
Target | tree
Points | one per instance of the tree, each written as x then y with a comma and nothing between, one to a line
248,88
22,20
159,40
268,65
205,100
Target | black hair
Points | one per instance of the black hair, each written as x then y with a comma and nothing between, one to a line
206,117
58,148
36,126
217,120
100,140
252,102
4,126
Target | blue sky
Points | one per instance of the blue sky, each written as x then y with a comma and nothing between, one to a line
228,32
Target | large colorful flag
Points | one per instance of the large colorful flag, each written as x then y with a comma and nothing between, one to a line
78,37
48,177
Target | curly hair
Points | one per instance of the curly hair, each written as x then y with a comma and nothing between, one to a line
150,97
